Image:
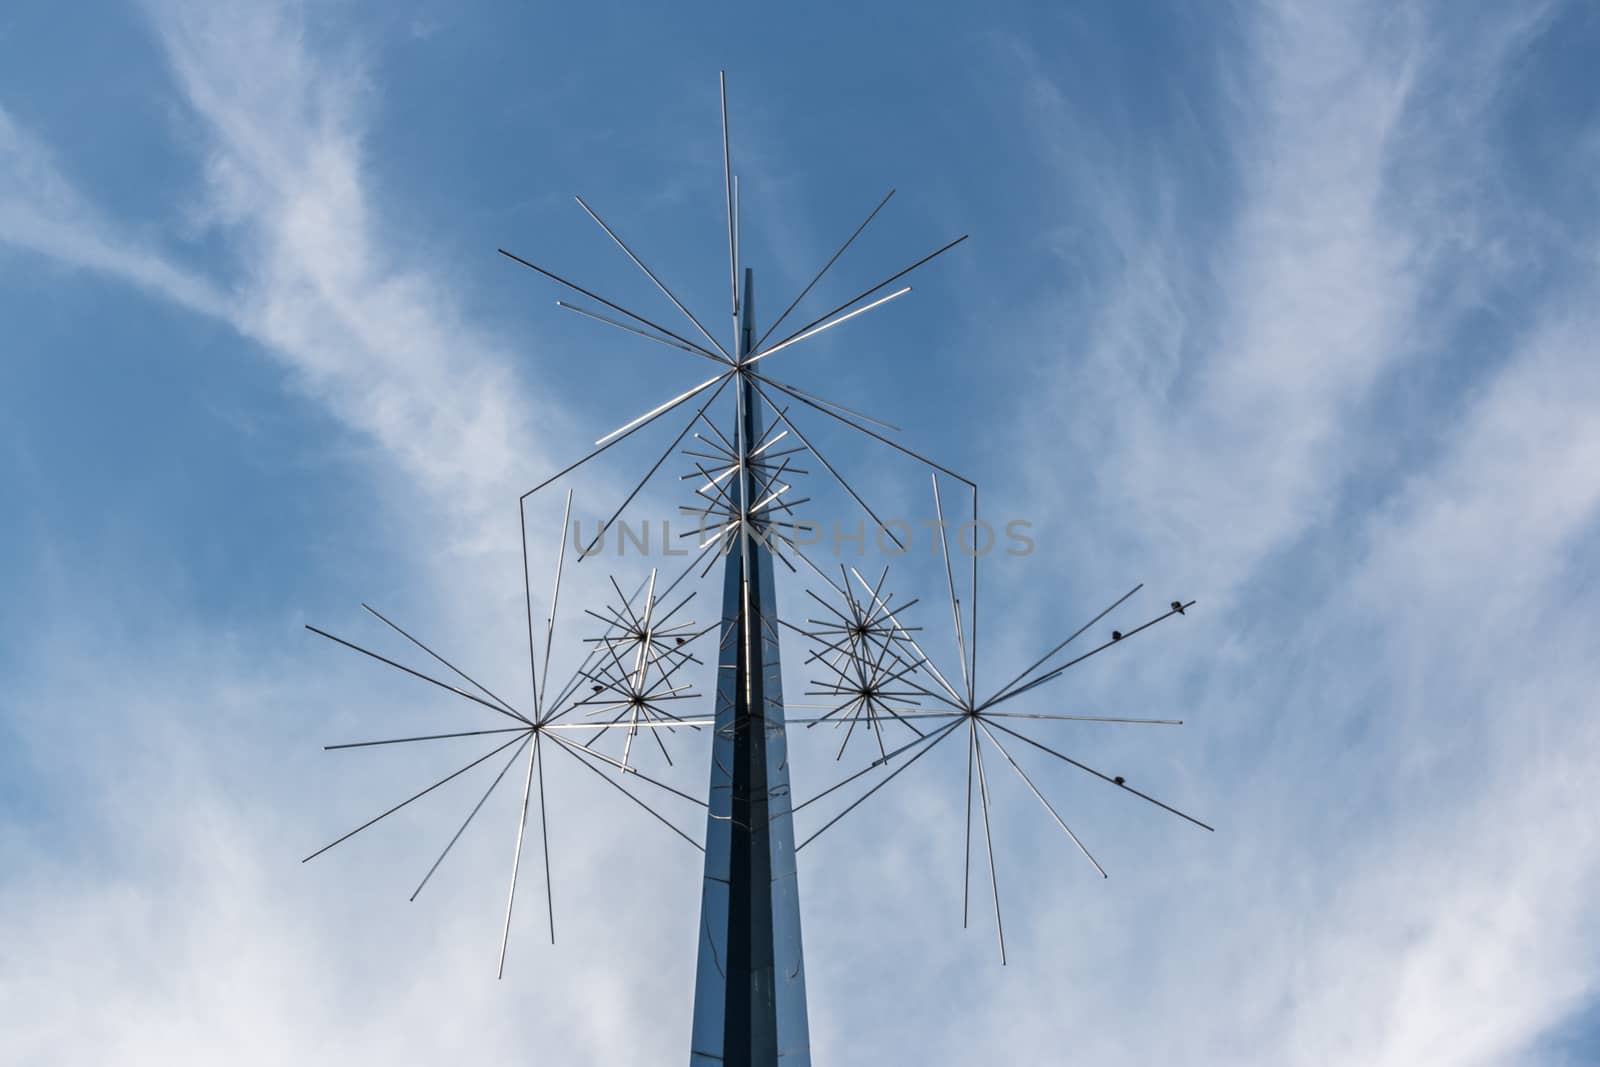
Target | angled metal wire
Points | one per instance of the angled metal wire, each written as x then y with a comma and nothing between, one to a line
825,267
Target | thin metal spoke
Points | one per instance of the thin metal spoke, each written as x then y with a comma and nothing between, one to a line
415,796
527,597
662,409
1070,637
569,748
555,598
824,400
651,275
848,241
1047,806
905,635
544,836
972,669
874,765
516,859
418,674
875,436
1104,778
727,181
863,295
427,737
458,671
637,489
676,722
1080,718
988,840
613,761
618,436
702,353
1057,672
471,815
823,460
949,574
966,863
614,307
830,324
929,743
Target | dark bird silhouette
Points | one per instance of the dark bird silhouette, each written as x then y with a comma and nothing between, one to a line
1116,635
1118,779
1177,605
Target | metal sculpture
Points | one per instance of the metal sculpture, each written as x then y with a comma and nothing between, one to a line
877,683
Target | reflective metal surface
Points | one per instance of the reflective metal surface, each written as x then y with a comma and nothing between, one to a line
750,984
635,678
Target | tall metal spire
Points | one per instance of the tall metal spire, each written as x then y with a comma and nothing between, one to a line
750,985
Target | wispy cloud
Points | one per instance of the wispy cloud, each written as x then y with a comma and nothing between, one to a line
1392,735
310,276
42,212
1407,866
191,900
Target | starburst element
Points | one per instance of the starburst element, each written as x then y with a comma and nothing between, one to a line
952,709
868,659
632,668
660,651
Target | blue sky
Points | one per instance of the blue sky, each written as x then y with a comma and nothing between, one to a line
1288,308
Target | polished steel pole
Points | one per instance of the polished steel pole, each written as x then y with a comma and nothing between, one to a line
750,986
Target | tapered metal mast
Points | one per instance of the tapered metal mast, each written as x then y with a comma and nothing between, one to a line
750,987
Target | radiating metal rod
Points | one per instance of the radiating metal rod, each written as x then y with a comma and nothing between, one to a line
570,749
414,796
950,579
600,535
830,324
929,744
924,460
614,307
555,598
617,437
456,670
762,377
1070,637
1104,778
691,349
544,837
427,737
695,724
869,768
516,860
651,275
1080,718
972,609
727,181
418,674
848,241
988,840
828,466
634,771
955,700
866,293
527,599
663,408
1056,672
966,863
1047,806
473,814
